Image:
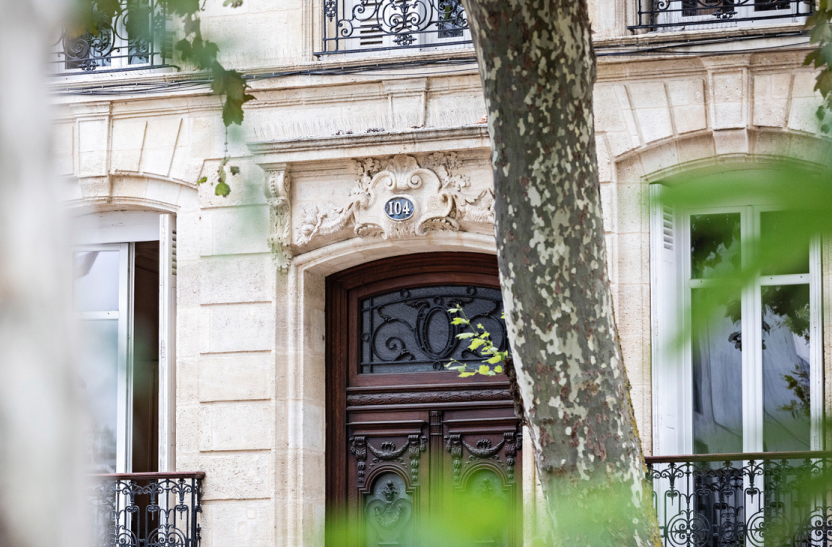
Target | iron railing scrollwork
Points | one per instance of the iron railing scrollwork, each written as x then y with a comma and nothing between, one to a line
136,37
692,14
411,330
373,25
743,500
147,509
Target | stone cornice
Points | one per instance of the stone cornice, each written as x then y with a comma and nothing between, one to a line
382,143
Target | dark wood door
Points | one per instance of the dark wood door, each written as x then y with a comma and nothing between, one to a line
406,438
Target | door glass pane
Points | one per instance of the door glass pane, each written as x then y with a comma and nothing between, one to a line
96,281
716,348
98,367
714,244
786,371
784,243
410,330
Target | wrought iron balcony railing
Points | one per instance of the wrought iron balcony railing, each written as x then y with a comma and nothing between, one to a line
137,37
147,509
374,25
776,499
697,14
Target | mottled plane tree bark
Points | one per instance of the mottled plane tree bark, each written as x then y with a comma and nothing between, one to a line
538,69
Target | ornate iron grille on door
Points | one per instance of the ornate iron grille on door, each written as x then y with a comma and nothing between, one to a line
406,439
372,25
410,330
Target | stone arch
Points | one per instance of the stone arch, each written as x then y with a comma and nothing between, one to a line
658,160
300,401
130,191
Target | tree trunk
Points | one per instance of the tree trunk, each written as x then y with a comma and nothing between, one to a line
538,69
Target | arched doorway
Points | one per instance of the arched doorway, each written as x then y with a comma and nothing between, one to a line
405,436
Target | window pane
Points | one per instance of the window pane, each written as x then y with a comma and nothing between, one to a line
410,330
98,366
786,371
714,244
716,347
96,281
784,243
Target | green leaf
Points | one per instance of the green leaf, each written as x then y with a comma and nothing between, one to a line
202,180
453,310
484,369
475,344
495,359
183,7
222,189
235,170
466,374
498,369
464,335
459,321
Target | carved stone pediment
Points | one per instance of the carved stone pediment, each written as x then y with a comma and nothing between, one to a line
429,197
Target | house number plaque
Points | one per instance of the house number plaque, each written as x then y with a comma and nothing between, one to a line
399,208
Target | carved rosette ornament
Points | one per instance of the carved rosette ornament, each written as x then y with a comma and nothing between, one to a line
280,214
396,197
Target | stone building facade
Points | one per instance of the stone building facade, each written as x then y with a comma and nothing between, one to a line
241,383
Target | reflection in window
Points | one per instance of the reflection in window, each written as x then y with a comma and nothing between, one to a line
714,244
98,368
717,375
786,368
96,281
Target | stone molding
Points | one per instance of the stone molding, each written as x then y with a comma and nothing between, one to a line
440,200
277,190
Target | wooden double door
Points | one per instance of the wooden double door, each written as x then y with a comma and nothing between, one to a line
410,445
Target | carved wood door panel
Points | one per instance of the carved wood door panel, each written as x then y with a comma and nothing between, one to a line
406,437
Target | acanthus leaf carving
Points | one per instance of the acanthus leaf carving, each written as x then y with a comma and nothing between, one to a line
441,200
278,186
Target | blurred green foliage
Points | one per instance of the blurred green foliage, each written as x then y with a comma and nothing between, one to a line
89,16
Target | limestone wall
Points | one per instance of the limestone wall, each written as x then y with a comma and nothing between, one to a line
251,267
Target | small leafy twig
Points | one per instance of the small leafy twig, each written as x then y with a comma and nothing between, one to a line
222,188
480,342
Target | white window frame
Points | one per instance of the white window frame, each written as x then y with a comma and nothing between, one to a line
677,17
121,230
124,315
671,287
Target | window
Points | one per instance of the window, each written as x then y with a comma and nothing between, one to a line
123,298
118,45
748,376
699,14
369,25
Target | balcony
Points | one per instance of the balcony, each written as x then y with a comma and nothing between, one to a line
774,499
138,39
377,25
147,509
676,15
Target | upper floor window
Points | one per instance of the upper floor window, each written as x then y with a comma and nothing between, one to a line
746,376
362,25
670,15
134,38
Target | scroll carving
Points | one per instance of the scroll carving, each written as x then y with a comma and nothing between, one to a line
510,445
280,215
441,200
358,446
